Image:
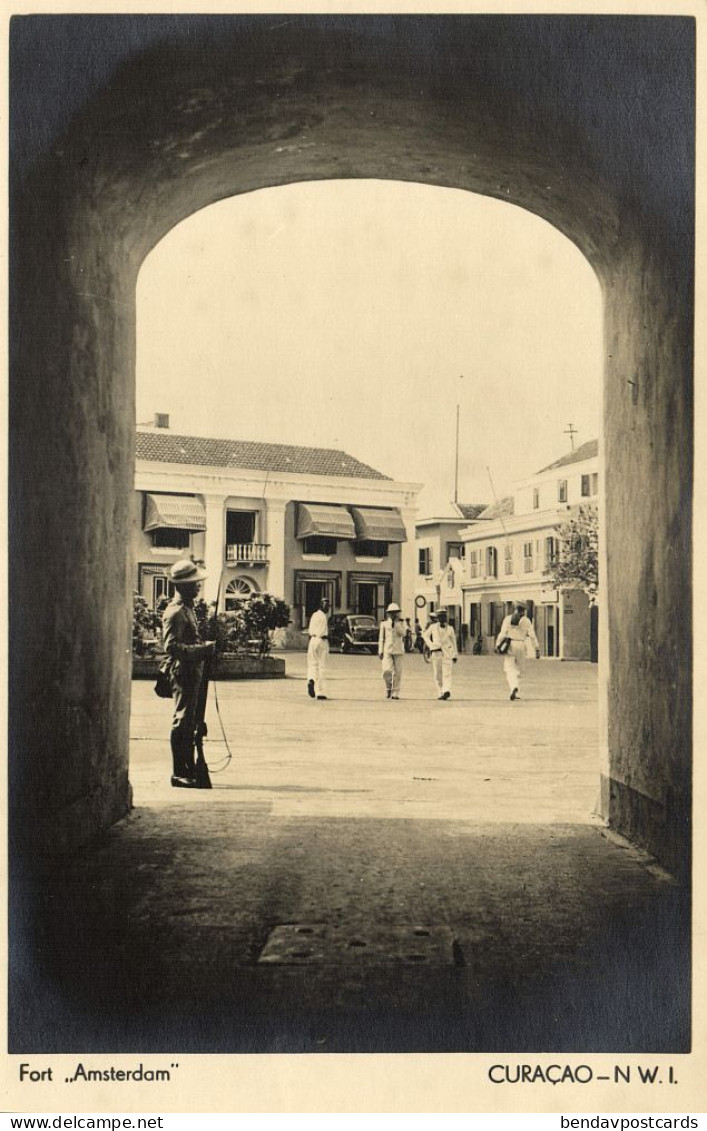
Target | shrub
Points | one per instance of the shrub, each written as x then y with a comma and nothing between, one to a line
147,627
247,628
262,615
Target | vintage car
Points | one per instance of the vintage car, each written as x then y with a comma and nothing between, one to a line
353,632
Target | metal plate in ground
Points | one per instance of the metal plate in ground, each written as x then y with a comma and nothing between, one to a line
325,944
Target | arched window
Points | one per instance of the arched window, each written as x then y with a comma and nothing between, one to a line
238,590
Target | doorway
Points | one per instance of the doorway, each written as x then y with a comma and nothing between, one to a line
551,630
370,593
367,603
594,634
314,594
73,344
313,591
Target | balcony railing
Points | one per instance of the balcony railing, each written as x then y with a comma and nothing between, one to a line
249,553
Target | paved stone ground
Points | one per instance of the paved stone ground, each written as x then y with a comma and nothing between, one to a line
365,875
477,756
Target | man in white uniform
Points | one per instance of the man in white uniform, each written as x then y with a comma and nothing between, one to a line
317,651
441,640
391,649
518,628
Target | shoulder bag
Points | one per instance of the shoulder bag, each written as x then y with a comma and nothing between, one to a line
163,687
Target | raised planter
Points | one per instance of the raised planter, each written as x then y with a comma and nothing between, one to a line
227,667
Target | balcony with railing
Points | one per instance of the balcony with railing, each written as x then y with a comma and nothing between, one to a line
247,553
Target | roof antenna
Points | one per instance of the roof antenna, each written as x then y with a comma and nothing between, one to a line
495,499
456,456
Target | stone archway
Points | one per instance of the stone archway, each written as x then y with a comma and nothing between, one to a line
492,105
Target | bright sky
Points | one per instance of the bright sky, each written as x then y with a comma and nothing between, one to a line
355,314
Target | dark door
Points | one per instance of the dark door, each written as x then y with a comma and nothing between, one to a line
594,634
551,639
474,621
314,591
367,599
240,528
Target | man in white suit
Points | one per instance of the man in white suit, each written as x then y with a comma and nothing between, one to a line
391,649
518,628
441,640
318,651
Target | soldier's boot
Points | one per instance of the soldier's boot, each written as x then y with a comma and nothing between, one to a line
181,777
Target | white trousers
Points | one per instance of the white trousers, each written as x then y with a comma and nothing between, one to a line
442,671
514,663
317,653
392,672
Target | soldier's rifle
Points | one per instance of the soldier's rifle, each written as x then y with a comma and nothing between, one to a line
203,777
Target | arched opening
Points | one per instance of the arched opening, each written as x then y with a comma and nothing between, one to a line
339,314
248,310
469,103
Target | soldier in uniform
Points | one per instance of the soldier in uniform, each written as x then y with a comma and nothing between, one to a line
186,654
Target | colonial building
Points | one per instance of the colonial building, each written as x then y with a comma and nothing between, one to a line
513,544
299,523
440,556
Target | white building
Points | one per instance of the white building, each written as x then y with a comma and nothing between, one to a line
440,557
512,545
299,523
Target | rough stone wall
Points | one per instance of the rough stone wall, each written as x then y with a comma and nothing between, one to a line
648,453
71,449
575,120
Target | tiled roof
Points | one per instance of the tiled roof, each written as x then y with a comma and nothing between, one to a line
251,455
584,451
471,510
503,507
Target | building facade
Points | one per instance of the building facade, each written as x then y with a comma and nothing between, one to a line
298,523
440,560
513,545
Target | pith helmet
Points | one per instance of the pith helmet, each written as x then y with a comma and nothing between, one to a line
393,608
185,570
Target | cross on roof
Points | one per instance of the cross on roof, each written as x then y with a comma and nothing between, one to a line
571,432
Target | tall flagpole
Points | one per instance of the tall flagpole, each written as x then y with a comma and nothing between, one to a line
456,464
456,456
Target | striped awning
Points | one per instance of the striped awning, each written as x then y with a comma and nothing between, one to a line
173,512
328,520
378,525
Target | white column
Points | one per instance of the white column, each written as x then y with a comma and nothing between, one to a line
214,547
275,537
408,566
